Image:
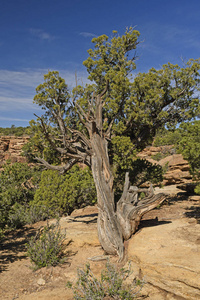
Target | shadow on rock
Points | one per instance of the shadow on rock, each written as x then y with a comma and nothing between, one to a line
90,218
152,223
193,212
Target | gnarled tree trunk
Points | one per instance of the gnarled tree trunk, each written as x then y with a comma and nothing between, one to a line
116,224
109,229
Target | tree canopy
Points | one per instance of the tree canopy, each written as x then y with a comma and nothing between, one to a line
135,108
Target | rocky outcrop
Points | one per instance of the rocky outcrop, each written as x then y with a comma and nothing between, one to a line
11,148
175,166
153,151
178,170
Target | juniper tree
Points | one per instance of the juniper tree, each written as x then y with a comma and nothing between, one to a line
79,127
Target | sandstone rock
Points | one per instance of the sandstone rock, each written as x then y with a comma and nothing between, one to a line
81,227
178,167
11,148
168,257
176,176
168,190
165,160
178,162
194,198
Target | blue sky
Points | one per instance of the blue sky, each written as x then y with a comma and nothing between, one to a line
41,35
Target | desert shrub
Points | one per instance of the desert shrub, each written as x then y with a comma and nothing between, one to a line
197,189
143,170
46,247
21,215
112,284
16,131
36,213
167,137
17,187
189,145
17,216
64,193
157,156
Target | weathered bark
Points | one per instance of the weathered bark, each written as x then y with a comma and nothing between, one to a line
109,230
117,224
130,209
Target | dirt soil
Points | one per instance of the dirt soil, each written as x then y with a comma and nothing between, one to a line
19,281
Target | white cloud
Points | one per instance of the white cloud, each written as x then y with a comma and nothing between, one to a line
88,34
11,103
26,78
17,88
13,119
41,34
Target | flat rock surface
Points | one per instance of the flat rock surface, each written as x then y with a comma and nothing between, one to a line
168,256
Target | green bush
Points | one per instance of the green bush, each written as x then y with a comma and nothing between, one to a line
46,248
167,137
17,216
17,187
189,145
64,193
16,131
36,213
112,284
197,189
21,215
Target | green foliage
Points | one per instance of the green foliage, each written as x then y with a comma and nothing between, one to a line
17,216
141,171
17,188
160,88
15,131
36,148
167,137
110,60
189,145
64,193
112,284
45,249
197,189
48,92
53,97
22,214
123,152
